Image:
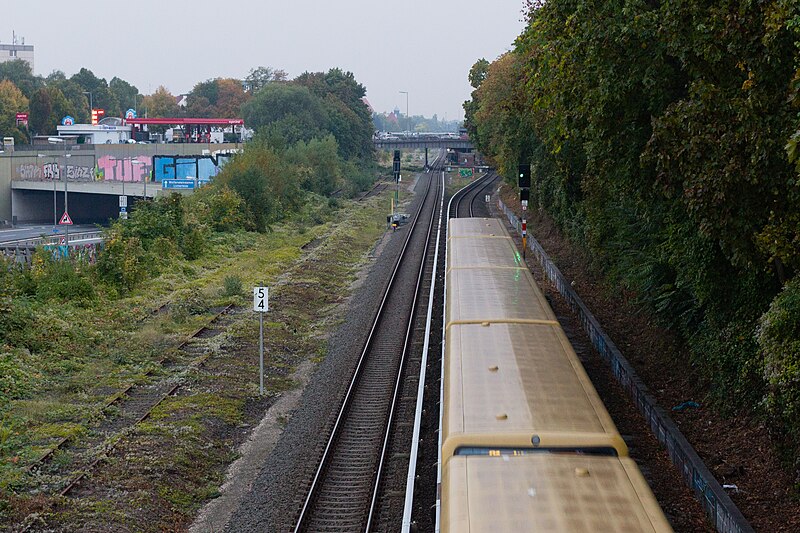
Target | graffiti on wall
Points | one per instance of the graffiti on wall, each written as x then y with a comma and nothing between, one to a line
78,173
52,171
136,169
200,167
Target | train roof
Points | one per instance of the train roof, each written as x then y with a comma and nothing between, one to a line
511,376
519,385
486,276
476,227
547,492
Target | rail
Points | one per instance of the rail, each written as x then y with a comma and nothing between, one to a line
412,462
716,503
377,344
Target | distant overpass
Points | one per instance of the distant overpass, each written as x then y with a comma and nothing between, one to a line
428,141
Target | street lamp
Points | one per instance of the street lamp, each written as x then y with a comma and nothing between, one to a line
57,140
55,213
408,120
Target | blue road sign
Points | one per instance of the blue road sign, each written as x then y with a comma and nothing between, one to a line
177,184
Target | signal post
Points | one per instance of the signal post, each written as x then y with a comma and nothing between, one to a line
524,182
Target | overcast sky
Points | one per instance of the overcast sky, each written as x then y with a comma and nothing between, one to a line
423,47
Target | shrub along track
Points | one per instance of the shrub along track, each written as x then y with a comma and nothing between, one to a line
172,456
736,449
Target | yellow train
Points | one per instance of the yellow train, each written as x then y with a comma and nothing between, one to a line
526,443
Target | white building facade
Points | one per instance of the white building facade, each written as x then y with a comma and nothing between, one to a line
100,134
10,52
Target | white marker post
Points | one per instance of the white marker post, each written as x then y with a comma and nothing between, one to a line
261,306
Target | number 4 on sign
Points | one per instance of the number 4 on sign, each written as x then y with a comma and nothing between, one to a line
261,299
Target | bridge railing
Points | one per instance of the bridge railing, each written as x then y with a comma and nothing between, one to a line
83,245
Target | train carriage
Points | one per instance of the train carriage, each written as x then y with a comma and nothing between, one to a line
526,440
547,492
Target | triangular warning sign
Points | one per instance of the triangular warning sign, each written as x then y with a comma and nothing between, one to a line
65,219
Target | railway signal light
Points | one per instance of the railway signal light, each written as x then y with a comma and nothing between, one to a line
524,195
524,176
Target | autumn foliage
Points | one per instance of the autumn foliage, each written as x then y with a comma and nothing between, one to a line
663,137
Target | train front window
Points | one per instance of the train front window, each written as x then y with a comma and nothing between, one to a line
514,452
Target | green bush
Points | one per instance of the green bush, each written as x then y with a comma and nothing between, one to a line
187,303
232,286
222,208
727,357
779,341
15,379
60,278
193,241
16,318
121,262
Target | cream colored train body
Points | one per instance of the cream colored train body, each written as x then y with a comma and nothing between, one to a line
527,444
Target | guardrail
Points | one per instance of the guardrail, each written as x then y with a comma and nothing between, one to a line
716,503
82,245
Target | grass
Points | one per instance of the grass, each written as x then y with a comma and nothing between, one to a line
173,462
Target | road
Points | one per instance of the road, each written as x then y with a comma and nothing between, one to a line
36,230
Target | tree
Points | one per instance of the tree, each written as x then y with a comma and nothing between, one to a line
101,95
41,109
287,112
199,106
202,100
478,73
350,119
20,74
657,134
126,94
12,101
78,103
230,97
55,77
59,108
161,104
261,76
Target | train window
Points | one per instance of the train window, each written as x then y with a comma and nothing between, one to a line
513,452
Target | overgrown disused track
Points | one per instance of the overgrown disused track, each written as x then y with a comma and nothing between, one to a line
343,493
132,405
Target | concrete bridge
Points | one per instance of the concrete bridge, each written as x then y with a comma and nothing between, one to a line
413,142
33,179
423,141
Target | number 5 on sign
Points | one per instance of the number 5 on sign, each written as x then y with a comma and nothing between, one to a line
261,299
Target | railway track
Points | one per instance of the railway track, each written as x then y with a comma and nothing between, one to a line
421,489
344,495
133,404
466,200
376,189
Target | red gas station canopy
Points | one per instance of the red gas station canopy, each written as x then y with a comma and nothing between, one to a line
188,121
